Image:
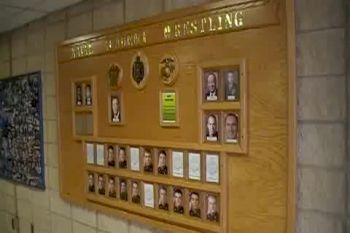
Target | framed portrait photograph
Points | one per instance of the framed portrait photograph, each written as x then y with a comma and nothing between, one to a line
178,200
147,160
123,189
163,200
101,184
210,82
111,187
78,94
148,195
110,156
231,127
194,165
88,94
162,162
134,158
100,154
122,157
90,153
231,81
135,192
91,182
178,163
115,108
211,121
194,204
212,208
212,168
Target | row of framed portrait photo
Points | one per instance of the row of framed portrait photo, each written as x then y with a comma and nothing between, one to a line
221,127
183,201
193,165
83,93
221,84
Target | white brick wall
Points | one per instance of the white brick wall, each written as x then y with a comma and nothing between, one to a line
322,92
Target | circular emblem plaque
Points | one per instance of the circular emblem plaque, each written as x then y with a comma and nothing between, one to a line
139,70
115,74
168,69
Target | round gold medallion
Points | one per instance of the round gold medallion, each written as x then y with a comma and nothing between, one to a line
168,69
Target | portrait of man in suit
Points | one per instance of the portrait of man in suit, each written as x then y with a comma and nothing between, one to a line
110,156
116,116
122,158
91,182
178,201
195,210
212,128
163,198
211,92
123,190
135,193
231,85
88,95
231,128
79,95
212,212
147,161
162,167
111,188
101,185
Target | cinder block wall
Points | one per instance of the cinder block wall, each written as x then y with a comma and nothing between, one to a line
31,48
323,201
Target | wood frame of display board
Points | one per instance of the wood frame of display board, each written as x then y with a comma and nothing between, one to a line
267,118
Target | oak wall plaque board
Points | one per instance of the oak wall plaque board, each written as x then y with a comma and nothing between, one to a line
205,150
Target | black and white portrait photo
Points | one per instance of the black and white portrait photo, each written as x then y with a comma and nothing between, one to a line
211,127
231,84
210,86
88,94
115,109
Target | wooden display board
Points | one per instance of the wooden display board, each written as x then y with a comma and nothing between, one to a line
181,121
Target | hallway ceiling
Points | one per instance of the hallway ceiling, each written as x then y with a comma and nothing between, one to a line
15,13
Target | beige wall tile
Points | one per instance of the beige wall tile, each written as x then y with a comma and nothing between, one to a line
53,179
5,47
108,15
19,66
84,215
41,219
24,226
321,190
51,154
112,224
50,84
176,4
7,204
80,228
35,63
41,198
25,210
7,187
4,69
51,108
58,205
55,33
313,222
79,25
50,131
136,9
321,98
60,224
19,43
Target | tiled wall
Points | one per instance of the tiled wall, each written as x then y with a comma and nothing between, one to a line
32,48
322,92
